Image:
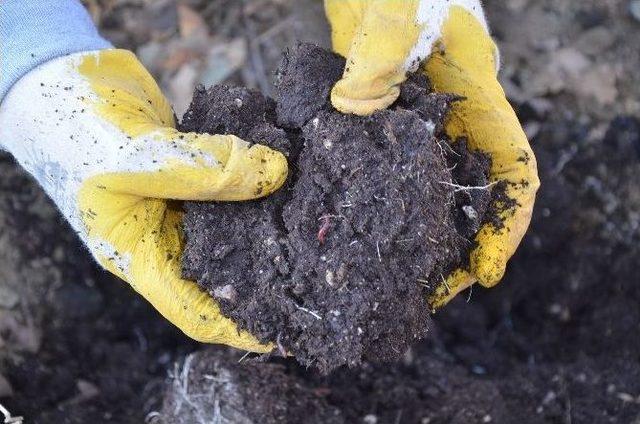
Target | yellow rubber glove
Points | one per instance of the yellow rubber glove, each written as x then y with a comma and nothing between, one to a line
94,129
383,40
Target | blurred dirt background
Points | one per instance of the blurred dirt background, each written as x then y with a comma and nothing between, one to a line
556,342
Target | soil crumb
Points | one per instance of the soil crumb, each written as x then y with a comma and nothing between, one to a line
336,266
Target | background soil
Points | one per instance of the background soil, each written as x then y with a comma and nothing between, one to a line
556,342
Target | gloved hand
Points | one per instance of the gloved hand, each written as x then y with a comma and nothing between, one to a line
94,129
383,40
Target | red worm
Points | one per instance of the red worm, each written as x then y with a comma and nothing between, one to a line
324,228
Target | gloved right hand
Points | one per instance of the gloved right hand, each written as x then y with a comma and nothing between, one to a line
449,41
96,132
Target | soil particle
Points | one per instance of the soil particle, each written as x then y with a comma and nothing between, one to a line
241,112
336,266
303,83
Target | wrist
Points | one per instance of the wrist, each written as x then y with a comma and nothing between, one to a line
34,32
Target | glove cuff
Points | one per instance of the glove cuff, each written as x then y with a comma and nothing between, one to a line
34,32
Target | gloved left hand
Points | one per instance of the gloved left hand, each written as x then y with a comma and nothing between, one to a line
94,129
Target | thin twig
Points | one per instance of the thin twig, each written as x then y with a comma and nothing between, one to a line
244,357
281,348
448,146
310,312
8,419
330,216
446,285
399,416
459,187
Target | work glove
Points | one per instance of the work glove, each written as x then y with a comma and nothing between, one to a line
94,129
449,41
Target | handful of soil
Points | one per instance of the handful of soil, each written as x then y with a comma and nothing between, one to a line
336,266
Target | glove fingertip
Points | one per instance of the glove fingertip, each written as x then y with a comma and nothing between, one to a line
456,282
362,107
274,168
489,269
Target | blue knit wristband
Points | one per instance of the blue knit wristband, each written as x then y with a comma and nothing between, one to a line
35,31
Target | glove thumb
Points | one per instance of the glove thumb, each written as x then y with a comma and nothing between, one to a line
376,57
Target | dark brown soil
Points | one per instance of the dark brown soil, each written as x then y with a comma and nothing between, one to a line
336,266
553,343
241,393
422,387
80,346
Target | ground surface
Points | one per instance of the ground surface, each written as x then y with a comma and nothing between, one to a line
556,342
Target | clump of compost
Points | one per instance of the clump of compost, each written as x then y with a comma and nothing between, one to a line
337,265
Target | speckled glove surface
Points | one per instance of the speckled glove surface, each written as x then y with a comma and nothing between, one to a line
96,132
448,40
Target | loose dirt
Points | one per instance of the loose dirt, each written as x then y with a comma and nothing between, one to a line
241,393
336,266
